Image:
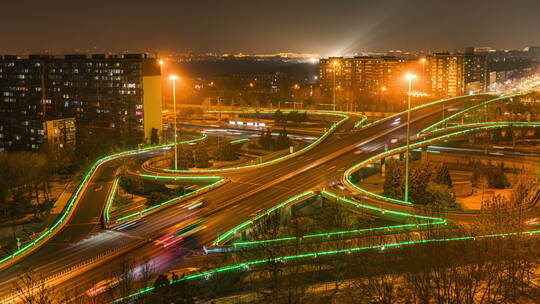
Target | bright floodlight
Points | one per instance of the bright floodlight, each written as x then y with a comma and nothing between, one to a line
410,76
423,60
161,62
173,77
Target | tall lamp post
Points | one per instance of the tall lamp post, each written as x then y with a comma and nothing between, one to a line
410,78
381,97
335,64
173,78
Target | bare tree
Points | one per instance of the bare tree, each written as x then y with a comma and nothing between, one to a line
32,288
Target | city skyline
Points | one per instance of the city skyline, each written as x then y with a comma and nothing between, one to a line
210,26
305,152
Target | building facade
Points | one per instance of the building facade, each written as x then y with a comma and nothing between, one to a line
60,134
120,93
368,75
451,75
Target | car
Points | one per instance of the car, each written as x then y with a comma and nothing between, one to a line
179,233
129,225
338,186
199,203
394,140
102,286
533,222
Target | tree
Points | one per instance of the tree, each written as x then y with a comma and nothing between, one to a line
278,116
185,159
154,138
201,158
496,177
189,158
393,180
33,288
266,141
419,178
440,196
283,140
226,152
442,175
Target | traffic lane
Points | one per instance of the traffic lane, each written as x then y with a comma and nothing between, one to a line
242,187
336,144
164,259
268,198
219,223
492,152
232,190
82,222
295,185
225,194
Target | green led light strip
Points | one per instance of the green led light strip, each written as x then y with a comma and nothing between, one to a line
110,199
467,110
273,161
356,167
429,151
142,212
489,123
360,122
180,177
231,232
305,195
77,192
246,265
316,112
422,106
346,200
328,234
239,140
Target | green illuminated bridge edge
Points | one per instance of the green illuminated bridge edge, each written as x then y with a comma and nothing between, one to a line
69,208
347,177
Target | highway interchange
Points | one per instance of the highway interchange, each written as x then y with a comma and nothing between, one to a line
247,192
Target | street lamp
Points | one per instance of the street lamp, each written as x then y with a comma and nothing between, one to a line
335,64
410,78
381,97
173,78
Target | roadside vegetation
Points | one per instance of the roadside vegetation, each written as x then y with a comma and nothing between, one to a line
480,270
429,184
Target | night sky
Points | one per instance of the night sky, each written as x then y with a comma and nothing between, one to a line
322,27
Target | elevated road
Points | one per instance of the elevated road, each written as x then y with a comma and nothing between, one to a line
247,193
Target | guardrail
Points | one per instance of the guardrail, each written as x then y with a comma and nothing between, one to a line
408,220
346,178
467,110
67,273
168,203
334,126
69,209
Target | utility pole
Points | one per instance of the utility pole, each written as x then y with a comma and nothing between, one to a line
174,78
410,78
